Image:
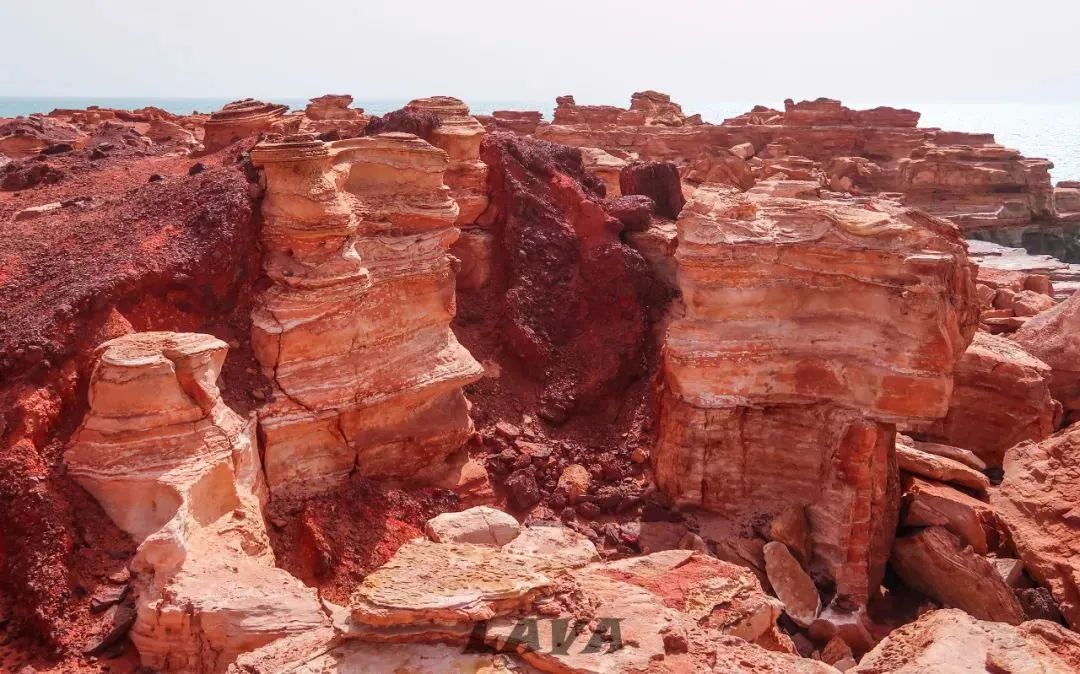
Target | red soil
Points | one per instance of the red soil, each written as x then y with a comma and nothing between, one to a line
124,253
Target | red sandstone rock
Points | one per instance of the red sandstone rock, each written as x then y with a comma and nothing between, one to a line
755,419
1037,501
1000,397
358,265
936,563
240,119
1054,338
952,641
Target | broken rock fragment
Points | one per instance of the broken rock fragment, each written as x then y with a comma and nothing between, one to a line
792,584
936,563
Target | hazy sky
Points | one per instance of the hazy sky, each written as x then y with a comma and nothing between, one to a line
899,51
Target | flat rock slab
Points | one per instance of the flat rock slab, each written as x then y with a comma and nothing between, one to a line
940,468
554,547
448,583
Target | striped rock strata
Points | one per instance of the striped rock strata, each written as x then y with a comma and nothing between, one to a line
810,329
179,471
354,331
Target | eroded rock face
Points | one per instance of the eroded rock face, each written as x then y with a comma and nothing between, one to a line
1054,338
1001,396
354,331
755,416
578,302
1038,501
950,640
240,119
178,470
332,107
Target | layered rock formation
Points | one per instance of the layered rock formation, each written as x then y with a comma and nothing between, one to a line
459,135
810,329
965,177
179,471
354,331
333,107
240,119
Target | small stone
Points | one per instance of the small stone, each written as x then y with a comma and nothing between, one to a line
108,597
120,577
575,481
522,490
639,455
507,430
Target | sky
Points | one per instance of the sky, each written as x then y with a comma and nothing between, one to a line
882,52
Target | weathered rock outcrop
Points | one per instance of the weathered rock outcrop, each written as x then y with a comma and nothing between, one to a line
1038,502
1054,338
1000,397
810,329
675,611
950,640
962,176
354,331
332,107
577,301
459,135
240,119
178,470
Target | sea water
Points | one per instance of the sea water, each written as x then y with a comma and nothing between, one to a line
1051,131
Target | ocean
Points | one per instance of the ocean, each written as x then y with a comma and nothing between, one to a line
1051,131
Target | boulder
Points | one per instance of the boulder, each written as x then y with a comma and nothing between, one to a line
936,563
950,640
1054,338
1001,396
657,180
482,525
929,504
1037,502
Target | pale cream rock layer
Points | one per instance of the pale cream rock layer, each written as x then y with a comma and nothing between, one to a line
179,471
354,332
